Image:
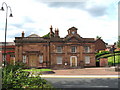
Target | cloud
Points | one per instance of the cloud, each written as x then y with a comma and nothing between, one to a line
17,25
76,5
97,11
28,19
92,18
93,10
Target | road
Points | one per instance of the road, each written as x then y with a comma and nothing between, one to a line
84,82
0,78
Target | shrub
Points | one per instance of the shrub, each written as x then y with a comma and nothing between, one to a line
14,77
102,53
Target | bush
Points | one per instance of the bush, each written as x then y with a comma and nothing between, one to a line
102,53
14,77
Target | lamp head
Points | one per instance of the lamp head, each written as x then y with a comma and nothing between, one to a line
2,9
11,15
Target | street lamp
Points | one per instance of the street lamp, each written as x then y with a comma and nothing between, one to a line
112,50
2,8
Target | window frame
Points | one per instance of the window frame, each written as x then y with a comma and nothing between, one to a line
87,59
24,58
87,49
73,50
59,49
40,58
59,59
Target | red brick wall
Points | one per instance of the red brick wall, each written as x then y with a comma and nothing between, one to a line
43,48
100,45
103,62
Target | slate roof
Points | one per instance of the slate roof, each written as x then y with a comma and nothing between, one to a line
34,38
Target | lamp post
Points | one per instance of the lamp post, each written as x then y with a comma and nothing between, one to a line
2,8
112,50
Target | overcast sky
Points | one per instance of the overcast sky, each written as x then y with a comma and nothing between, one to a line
91,17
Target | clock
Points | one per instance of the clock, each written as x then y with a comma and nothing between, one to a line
73,32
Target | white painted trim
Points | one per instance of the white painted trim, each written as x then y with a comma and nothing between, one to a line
75,60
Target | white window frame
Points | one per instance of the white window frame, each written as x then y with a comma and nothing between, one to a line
87,59
87,49
24,58
73,50
59,49
40,58
59,59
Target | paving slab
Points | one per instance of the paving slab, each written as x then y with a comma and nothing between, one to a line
86,71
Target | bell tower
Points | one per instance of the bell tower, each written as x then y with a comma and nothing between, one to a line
72,31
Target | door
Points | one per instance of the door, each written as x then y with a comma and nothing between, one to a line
33,60
73,61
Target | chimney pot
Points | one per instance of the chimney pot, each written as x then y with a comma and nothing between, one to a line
23,33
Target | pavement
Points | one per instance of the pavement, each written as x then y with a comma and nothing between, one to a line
100,72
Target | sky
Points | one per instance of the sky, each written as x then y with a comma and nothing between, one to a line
91,17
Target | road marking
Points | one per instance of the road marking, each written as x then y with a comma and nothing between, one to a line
81,76
85,86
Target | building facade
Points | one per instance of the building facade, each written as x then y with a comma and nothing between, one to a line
72,51
10,52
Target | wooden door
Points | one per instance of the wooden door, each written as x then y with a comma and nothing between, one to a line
33,60
73,61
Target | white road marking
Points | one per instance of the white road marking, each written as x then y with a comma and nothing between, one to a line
81,76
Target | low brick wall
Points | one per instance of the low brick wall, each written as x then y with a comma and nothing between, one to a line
103,62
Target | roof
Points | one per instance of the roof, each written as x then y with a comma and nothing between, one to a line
33,35
7,43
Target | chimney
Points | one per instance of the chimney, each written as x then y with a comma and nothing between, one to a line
51,32
56,32
51,29
23,33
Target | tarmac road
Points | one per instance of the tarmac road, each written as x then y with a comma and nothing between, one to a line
84,82
0,78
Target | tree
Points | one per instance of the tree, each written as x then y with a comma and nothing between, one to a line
47,35
118,44
98,37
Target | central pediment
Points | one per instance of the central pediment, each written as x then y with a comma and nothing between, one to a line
73,39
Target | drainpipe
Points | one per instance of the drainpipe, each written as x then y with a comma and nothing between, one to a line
49,55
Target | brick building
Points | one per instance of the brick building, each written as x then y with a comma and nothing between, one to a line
55,52
10,52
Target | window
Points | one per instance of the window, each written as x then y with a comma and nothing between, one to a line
87,49
59,49
12,55
24,58
3,57
87,59
41,59
73,49
59,59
